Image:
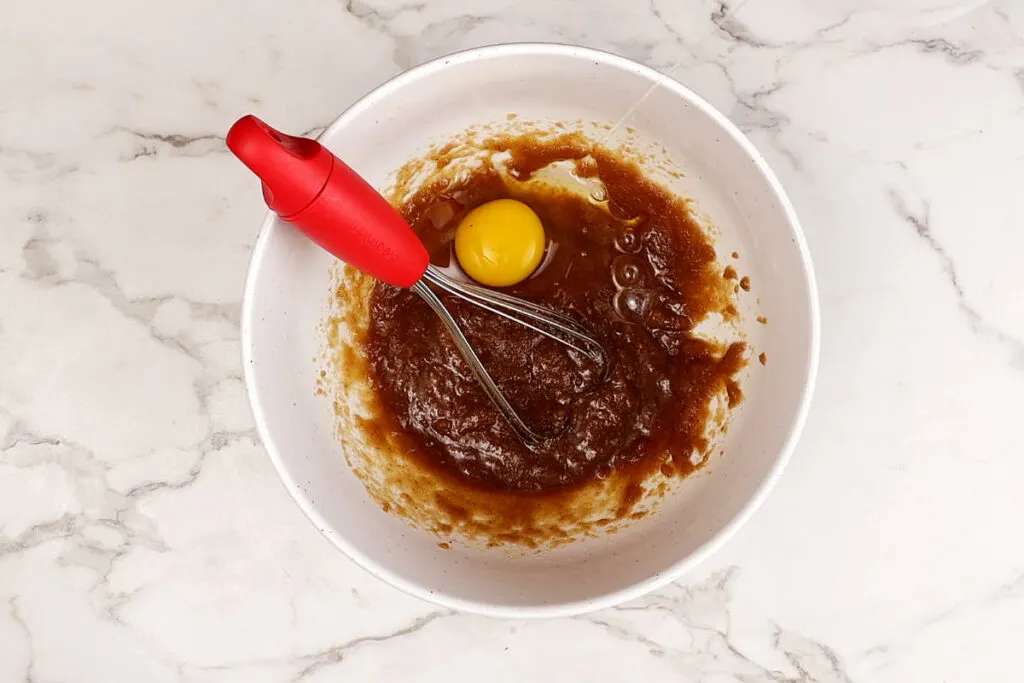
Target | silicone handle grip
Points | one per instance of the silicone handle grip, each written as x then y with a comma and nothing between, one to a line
320,195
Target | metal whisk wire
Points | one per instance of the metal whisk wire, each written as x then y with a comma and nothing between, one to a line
540,319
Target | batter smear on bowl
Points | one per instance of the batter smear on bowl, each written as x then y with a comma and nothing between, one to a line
627,259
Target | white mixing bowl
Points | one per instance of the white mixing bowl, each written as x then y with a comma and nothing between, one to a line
730,183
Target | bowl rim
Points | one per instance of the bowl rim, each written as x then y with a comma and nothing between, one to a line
684,564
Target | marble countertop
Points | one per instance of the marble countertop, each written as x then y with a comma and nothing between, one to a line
144,535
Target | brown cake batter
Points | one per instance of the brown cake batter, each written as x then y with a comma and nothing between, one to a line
631,264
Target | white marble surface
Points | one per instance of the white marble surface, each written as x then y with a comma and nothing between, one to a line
143,533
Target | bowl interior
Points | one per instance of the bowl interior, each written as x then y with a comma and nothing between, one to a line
289,284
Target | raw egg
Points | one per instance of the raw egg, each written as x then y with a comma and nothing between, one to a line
500,243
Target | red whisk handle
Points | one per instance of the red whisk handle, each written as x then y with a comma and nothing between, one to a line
320,195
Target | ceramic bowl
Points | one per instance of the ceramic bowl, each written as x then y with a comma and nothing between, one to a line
730,185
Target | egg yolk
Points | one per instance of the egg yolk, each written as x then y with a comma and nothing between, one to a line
500,243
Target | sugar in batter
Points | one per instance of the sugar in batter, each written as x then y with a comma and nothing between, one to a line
630,263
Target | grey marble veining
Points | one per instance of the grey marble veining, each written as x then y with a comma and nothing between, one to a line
143,533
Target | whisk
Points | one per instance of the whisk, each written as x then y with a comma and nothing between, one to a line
310,188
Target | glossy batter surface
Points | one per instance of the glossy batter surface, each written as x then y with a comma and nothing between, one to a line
629,262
